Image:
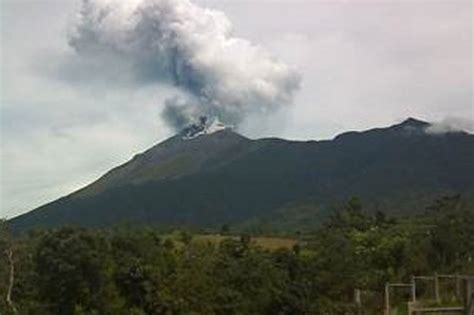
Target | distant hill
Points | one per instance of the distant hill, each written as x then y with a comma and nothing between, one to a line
211,178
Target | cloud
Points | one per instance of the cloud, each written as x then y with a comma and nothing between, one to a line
176,42
364,64
451,124
367,64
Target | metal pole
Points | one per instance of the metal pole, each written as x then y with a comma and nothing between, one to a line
387,299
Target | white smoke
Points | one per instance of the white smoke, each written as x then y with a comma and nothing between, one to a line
179,43
451,124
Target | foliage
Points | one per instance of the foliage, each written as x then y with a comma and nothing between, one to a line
138,270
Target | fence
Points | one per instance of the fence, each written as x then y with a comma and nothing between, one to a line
464,295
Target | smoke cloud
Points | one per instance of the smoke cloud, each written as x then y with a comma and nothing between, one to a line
179,43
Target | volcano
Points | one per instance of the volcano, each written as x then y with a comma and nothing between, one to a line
204,126
208,175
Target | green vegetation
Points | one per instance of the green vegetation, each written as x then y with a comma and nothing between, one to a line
138,270
265,242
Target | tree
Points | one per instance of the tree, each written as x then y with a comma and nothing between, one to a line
453,235
75,272
225,229
6,248
185,237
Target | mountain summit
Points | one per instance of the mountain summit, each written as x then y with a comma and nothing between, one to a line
208,175
415,123
204,126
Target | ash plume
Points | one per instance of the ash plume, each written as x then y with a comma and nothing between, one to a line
179,43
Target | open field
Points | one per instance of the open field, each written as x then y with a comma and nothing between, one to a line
266,242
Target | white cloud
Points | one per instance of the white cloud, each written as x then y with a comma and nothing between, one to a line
366,63
452,124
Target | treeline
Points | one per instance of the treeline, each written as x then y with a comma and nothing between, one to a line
139,271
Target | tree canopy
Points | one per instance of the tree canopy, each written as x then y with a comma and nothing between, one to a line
140,270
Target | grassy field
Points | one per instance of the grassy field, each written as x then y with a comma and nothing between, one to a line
266,242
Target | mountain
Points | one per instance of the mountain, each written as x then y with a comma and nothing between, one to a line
209,175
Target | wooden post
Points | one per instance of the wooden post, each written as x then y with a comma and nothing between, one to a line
357,296
436,288
413,290
358,301
468,300
387,299
458,288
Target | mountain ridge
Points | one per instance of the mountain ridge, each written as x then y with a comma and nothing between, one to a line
225,177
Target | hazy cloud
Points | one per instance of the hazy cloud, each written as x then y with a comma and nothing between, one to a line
451,124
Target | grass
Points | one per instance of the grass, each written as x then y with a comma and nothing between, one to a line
266,242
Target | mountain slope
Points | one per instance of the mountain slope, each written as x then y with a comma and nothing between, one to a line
224,177
171,159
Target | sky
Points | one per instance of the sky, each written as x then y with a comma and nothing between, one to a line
361,64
